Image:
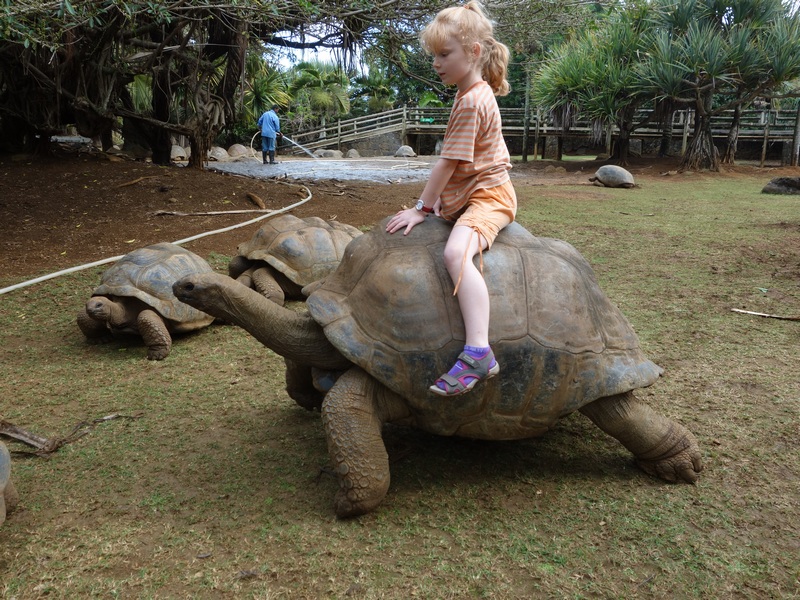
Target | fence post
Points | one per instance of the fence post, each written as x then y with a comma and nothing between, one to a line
766,138
793,161
686,118
526,123
404,126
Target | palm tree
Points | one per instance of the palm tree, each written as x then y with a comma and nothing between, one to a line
319,91
374,89
715,56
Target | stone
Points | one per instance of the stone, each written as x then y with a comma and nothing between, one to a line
783,186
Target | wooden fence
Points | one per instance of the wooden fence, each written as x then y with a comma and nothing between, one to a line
766,125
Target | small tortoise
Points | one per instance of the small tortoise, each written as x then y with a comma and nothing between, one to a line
387,318
8,493
135,297
612,176
288,253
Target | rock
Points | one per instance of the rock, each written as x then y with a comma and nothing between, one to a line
405,151
324,153
353,153
783,185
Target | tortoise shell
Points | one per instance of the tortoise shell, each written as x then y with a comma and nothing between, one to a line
148,274
560,342
613,176
304,250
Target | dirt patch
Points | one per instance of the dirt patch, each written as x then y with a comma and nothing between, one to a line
68,210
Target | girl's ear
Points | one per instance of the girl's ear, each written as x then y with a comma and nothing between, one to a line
476,50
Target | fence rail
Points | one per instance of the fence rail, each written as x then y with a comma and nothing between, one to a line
755,124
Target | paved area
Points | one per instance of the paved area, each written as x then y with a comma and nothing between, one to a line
377,169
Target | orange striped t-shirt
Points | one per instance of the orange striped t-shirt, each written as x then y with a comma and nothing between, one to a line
475,139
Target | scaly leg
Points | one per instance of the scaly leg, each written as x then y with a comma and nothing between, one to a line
353,414
155,334
662,447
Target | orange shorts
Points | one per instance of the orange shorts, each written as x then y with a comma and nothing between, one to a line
490,210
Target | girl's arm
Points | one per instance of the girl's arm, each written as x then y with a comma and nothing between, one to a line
440,175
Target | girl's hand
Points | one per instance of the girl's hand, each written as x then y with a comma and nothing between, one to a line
407,218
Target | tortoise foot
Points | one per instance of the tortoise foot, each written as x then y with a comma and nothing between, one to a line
351,504
678,457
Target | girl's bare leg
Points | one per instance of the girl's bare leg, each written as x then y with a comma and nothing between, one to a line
473,295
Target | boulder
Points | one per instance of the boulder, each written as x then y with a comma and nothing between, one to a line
353,153
782,185
324,153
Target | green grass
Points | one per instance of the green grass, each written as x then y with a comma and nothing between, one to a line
213,489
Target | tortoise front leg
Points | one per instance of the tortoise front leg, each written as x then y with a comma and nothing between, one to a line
155,334
353,415
662,447
300,385
265,284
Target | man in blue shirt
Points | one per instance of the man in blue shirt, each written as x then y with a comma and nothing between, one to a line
270,126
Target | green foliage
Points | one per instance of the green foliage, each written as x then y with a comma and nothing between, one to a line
319,91
707,55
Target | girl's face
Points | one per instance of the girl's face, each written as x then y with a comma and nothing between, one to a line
454,66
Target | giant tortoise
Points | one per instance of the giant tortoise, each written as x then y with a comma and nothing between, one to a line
612,176
288,253
388,320
135,297
8,493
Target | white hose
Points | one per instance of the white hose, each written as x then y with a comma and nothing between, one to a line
179,242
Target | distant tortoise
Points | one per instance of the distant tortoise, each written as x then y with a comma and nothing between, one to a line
387,318
612,176
288,253
8,493
135,297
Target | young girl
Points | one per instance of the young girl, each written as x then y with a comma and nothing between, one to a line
469,184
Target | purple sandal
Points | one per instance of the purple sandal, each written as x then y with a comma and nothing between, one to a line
476,370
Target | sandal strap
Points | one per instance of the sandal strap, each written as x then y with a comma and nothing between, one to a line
479,365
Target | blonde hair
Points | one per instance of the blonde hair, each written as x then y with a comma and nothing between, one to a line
470,25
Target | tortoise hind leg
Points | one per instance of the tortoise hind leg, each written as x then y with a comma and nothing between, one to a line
662,447
353,414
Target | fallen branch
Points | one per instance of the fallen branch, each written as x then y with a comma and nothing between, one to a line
48,446
256,200
758,314
137,180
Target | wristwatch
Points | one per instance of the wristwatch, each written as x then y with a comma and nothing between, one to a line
421,207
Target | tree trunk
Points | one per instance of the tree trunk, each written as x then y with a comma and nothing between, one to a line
623,147
666,135
701,153
796,139
160,142
729,158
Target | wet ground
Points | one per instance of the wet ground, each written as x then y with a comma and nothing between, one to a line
376,169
